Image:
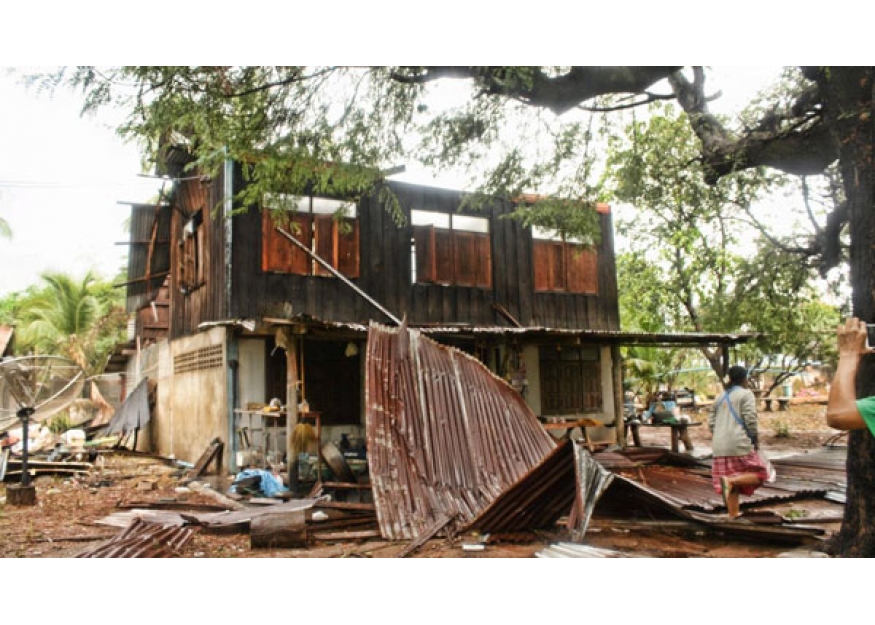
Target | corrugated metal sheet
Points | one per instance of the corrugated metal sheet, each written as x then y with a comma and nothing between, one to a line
144,258
445,435
539,499
806,475
604,336
142,539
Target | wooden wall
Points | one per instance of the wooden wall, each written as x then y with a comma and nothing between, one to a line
386,275
203,299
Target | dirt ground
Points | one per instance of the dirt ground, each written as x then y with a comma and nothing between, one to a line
66,520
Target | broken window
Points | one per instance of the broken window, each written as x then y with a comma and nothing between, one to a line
329,228
191,263
570,379
563,266
452,250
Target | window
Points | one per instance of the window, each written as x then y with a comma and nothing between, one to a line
563,266
191,263
570,380
452,250
329,228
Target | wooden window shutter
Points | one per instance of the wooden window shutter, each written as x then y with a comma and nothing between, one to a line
348,262
541,263
277,252
582,264
325,243
443,256
549,264
465,258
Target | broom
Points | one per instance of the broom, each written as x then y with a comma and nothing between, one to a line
304,434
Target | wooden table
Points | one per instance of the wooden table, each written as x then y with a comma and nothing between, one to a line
679,432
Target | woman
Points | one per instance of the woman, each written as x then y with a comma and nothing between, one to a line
736,468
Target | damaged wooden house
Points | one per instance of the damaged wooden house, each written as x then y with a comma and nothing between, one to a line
252,320
230,314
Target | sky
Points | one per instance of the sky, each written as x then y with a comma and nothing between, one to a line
63,177
61,180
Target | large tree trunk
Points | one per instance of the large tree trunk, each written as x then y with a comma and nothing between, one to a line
848,98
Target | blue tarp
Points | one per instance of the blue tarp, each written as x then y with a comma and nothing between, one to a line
270,483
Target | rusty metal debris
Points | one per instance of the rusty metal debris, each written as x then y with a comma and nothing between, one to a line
142,539
445,435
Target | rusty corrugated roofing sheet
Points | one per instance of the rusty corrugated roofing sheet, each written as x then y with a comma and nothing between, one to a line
806,475
142,539
445,435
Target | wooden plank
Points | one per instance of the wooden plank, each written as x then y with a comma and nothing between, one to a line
426,535
353,535
212,451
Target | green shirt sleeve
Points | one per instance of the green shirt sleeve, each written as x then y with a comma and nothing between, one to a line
866,406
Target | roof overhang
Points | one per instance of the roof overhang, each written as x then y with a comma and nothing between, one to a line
537,333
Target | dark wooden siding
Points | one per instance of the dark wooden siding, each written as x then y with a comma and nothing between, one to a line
192,304
385,275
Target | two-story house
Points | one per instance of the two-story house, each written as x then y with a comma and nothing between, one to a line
230,313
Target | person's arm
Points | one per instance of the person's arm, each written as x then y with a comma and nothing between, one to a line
748,409
712,413
841,408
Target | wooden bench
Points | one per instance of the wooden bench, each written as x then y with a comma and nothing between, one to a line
566,425
679,432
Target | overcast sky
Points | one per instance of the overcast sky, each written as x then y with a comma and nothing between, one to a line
62,177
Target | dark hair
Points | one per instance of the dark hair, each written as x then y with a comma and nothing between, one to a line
737,374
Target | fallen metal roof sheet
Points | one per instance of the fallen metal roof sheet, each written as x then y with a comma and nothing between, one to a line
445,435
142,539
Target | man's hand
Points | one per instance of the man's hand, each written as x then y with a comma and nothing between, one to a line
852,339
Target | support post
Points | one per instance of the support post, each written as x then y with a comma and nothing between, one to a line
291,345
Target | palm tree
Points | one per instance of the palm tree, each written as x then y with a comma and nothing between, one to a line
68,318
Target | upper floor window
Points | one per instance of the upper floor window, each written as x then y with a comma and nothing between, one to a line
191,259
449,249
564,266
329,228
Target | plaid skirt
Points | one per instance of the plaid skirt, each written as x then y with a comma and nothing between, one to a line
730,466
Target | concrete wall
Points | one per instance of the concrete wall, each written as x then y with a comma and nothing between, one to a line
198,397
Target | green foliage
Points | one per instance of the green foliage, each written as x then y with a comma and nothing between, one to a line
694,265
59,424
80,320
782,429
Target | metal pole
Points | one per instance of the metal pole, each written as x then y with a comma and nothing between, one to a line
24,414
339,275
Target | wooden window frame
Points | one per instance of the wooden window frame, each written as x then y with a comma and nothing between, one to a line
564,267
444,256
335,239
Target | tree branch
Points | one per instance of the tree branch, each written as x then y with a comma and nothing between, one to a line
805,148
558,93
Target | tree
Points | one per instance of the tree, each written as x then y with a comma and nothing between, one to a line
285,120
79,320
693,261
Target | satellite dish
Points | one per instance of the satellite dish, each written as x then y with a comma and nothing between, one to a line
34,388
